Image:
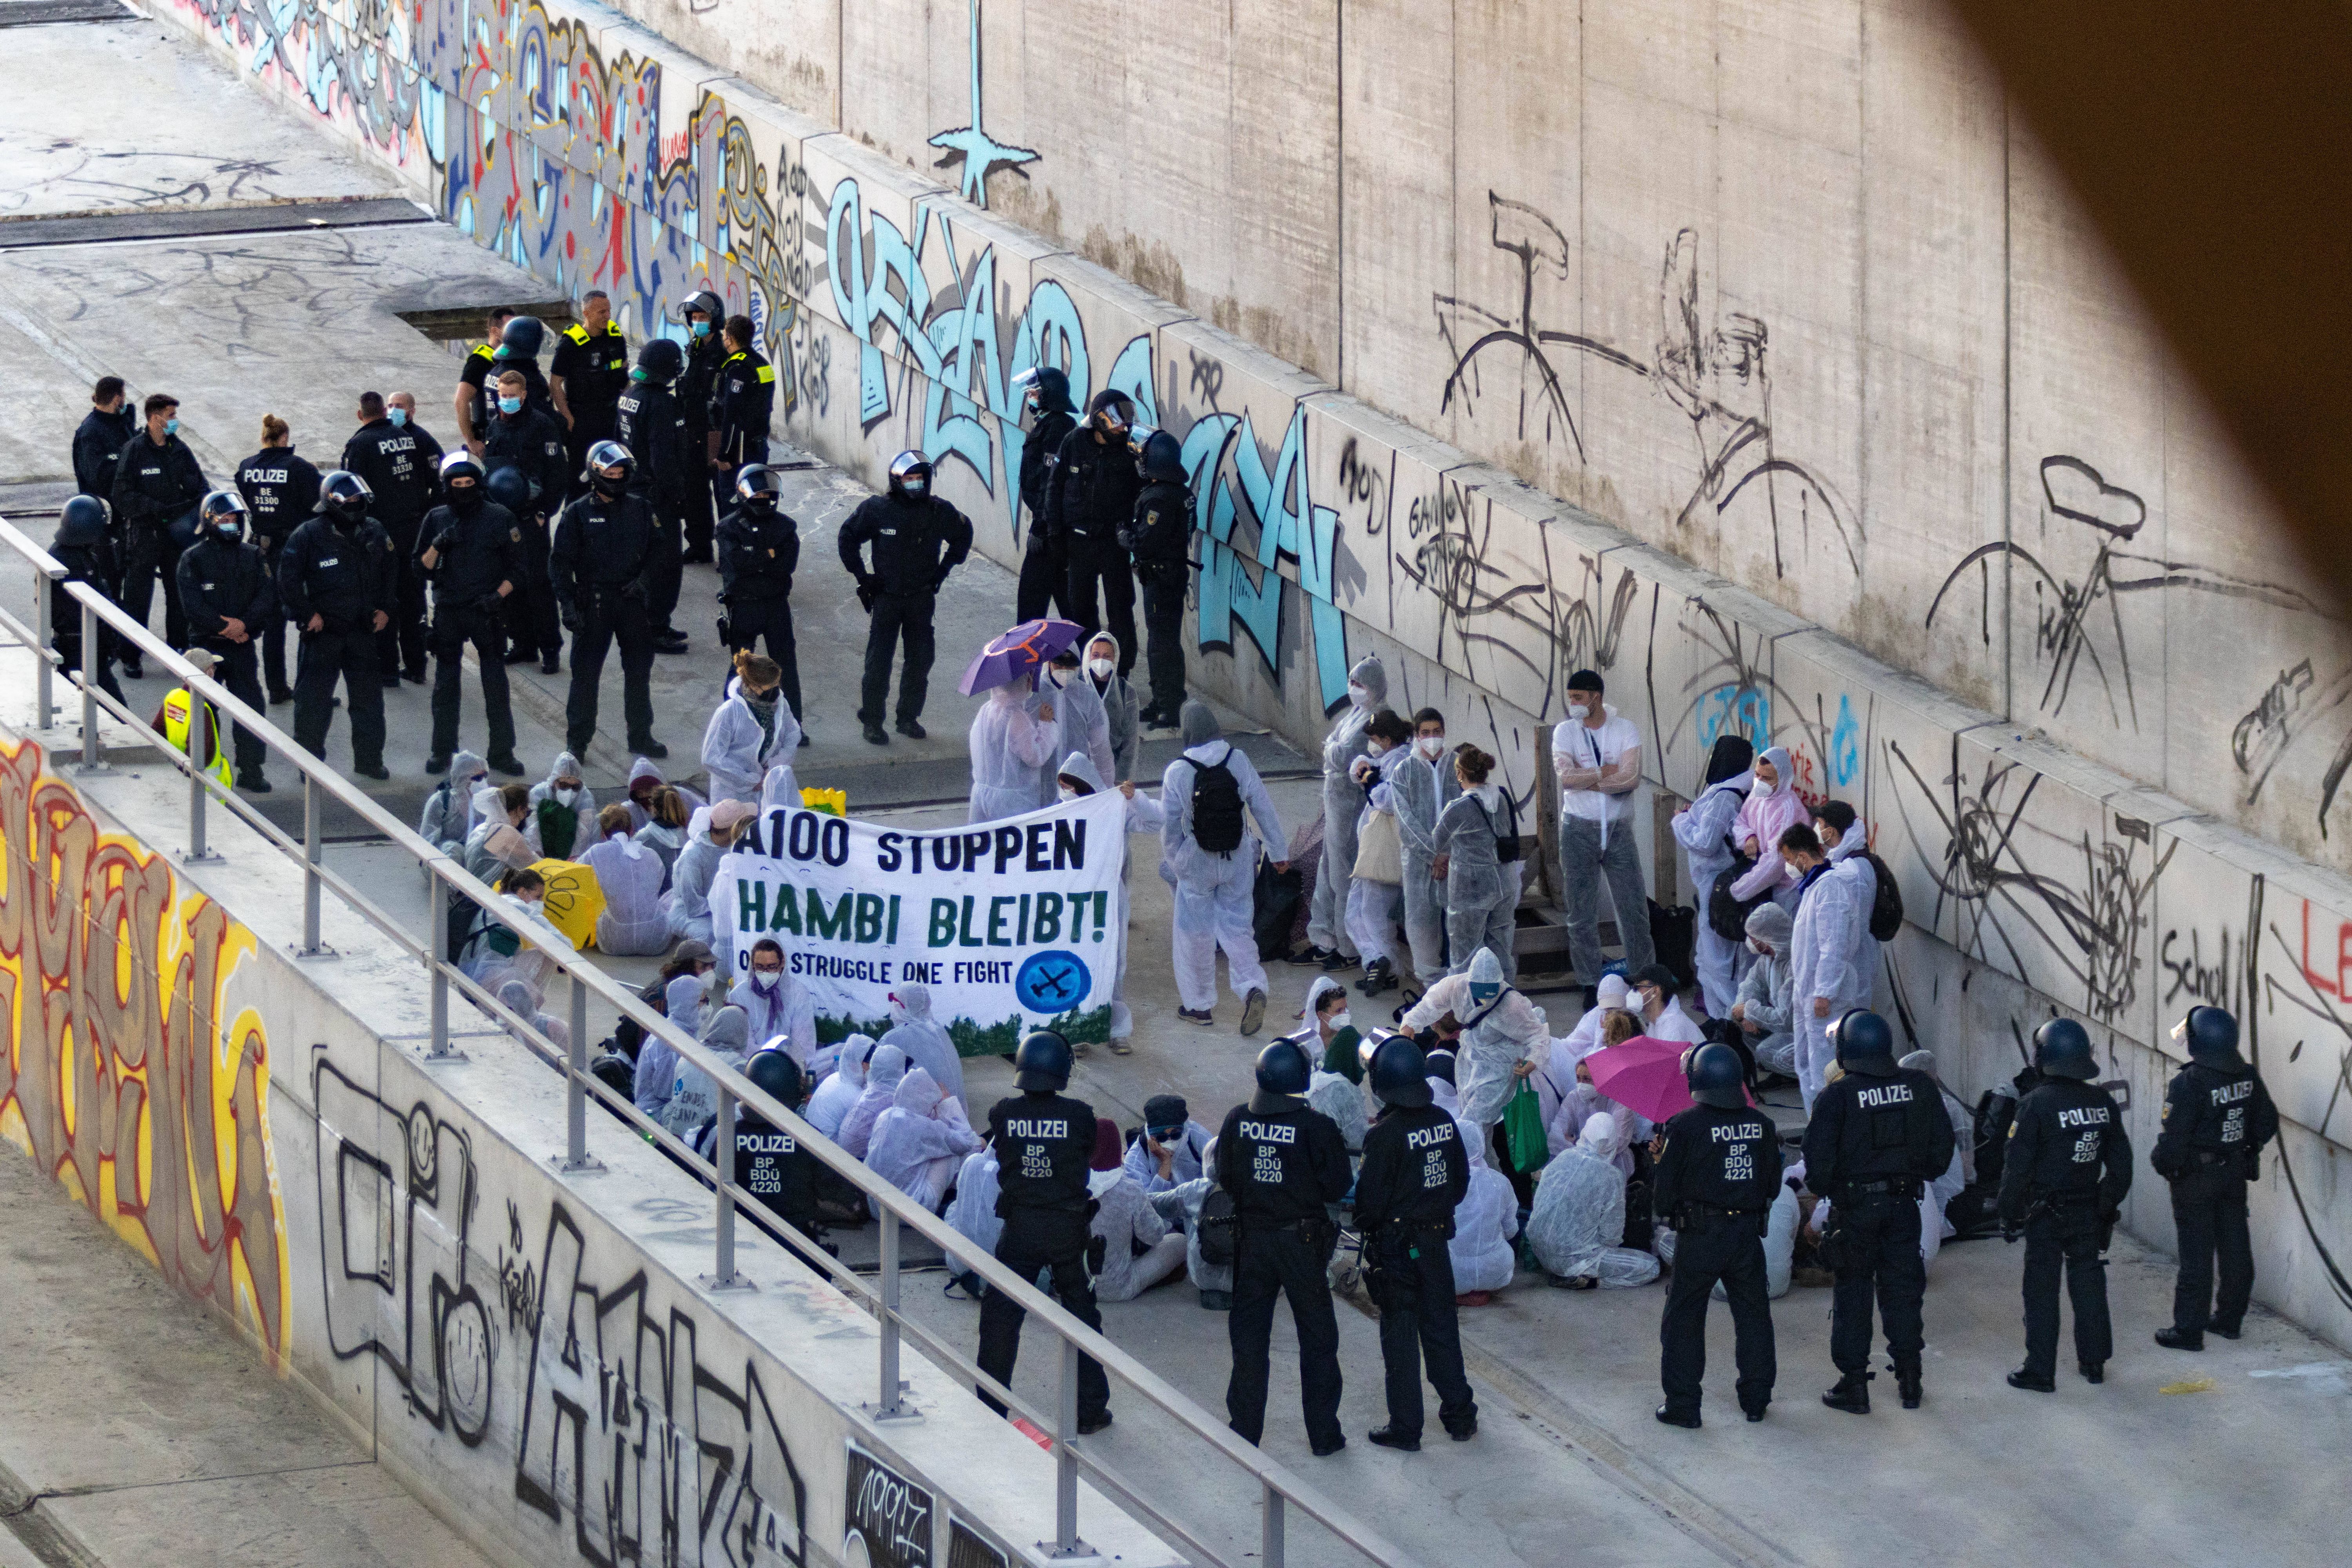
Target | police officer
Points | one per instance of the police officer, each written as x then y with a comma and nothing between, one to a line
918,539
156,483
769,1163
603,564
1714,1180
1090,501
1045,569
1285,1163
224,584
481,364
100,437
472,551
1877,1135
1160,538
696,385
529,443
520,340
2216,1117
651,423
280,489
1415,1171
336,580
83,548
2067,1168
742,401
586,378
400,462
759,550
1043,1139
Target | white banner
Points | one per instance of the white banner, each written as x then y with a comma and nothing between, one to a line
1013,924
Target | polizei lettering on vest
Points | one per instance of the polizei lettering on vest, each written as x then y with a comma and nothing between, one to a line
1270,1131
1037,1127
1893,1094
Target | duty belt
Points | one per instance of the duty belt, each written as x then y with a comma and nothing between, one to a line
1893,1186
1700,1209
2216,1156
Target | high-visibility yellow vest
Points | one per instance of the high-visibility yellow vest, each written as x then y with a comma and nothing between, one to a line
211,759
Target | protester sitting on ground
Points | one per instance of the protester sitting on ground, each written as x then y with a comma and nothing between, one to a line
1182,1204
1762,1010
971,1213
1583,1101
693,958
920,1140
646,782
884,1068
1958,1174
498,954
682,1001
1171,1148
517,998
694,1094
630,876
689,899
782,1011
1657,999
829,1107
1578,1225
927,1046
664,833
563,819
1140,1250
1330,1033
447,820
1485,1221
500,806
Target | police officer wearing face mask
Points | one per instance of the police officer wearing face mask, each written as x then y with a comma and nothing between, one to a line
519,338
917,539
157,484
1285,1163
280,489
602,565
83,547
224,584
336,578
651,422
1090,501
481,364
1877,1136
759,551
1044,1141
1715,1182
1160,537
527,442
697,384
2067,1168
1045,569
399,461
1415,1171
472,551
2217,1118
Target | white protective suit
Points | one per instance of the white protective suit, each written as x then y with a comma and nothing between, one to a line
1121,709
693,1096
1213,892
1481,893
973,1212
788,1010
1485,1221
482,856
1579,1105
1343,803
1508,1031
737,753
1080,723
1673,1024
1417,790
920,1140
1780,1245
639,818
1961,1168
1764,992
1126,1220
448,817
1143,816
1578,1225
1764,815
519,999
1831,955
687,902
1186,1160
663,842
1010,747
1338,1098
780,788
487,966
829,1107
884,1070
1702,828
584,809
927,1045
633,922
1181,1205
1556,1079
656,1062
1374,907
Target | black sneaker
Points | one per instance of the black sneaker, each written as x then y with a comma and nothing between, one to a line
1907,1386
552,664
804,737
1753,1412
1322,1452
1389,1437
1196,1015
1463,1433
1090,1424
437,763
375,770
278,698
1252,1012
2025,1380
2225,1333
1673,1418
876,734
1336,963
1308,955
2172,1338
2094,1371
672,642
250,781
1850,1394
912,730
1379,975
133,670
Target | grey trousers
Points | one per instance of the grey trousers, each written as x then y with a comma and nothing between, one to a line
1583,862
1424,920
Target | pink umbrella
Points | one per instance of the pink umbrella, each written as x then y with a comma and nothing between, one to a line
1020,651
1643,1074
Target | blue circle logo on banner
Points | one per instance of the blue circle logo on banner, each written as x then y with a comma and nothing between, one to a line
1052,982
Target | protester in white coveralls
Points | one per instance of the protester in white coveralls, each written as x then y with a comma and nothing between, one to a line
1482,889
1762,1010
829,1107
1012,741
1501,1036
1417,791
629,875
927,1043
1825,975
920,1140
1328,943
884,1068
780,1007
1375,901
1081,723
1702,828
750,731
1577,1227
1077,779
1209,795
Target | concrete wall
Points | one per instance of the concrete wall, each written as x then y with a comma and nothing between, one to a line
1747,353
529,1351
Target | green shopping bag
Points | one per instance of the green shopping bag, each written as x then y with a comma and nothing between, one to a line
1523,1128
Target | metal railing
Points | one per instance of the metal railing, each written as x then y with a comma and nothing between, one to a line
1280,1491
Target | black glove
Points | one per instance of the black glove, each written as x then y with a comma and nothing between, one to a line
941,581
2011,1229
865,594
634,591
2108,1229
488,604
570,615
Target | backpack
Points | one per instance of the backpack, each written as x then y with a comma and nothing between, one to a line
1216,807
1728,916
1506,844
1218,1220
1887,904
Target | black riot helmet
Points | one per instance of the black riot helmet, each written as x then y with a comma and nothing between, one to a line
760,486
225,513
1715,1079
1117,405
1049,389
1283,1068
511,488
2211,1035
81,522
1399,1072
1864,1044
461,464
344,496
712,307
610,467
1042,1065
910,476
778,1075
521,338
659,361
1162,460
2062,1048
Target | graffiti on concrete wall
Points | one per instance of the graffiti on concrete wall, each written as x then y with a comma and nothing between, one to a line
135,1068
980,153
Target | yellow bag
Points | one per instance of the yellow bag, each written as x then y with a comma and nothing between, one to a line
573,899
1379,853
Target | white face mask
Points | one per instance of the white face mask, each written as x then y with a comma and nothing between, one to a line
1056,675
765,983
1579,710
1338,1020
1760,788
1432,746
1069,793
1758,949
1102,669
1796,872
1359,696
1376,748
565,796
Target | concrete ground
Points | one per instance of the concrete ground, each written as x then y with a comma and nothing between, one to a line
2231,1455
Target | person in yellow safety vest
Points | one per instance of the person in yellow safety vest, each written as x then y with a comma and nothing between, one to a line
207,744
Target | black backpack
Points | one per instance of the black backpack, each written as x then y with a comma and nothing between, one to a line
1216,807
1887,904
1506,840
1218,1220
1728,916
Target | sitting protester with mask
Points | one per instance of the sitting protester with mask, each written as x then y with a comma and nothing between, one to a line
1169,1150
562,811
1762,1010
629,875
783,1014
1140,1250
920,1140
927,1046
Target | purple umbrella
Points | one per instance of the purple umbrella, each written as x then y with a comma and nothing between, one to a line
1020,651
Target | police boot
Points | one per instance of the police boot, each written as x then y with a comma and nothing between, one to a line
1850,1394
1906,1385
2032,1382
1389,1437
2174,1339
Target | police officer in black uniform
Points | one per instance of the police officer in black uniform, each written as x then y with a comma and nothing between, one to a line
769,1163
156,483
697,384
2217,1118
281,489
1714,1182
1877,1136
1043,1139
2067,1168
472,550
529,442
742,401
586,378
84,549
1090,501
1045,569
1285,1163
602,563
100,437
520,341
481,364
336,580
651,423
224,584
400,462
1160,538
759,550
918,539
1415,1171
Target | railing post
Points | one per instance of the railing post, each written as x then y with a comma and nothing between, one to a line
44,707
314,812
722,1276
92,757
888,1405
1270,1536
438,897
196,782
575,1088
1066,1462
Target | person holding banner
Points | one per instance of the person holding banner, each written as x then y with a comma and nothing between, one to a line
914,1031
1078,778
1081,723
689,899
1012,740
750,730
1207,846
